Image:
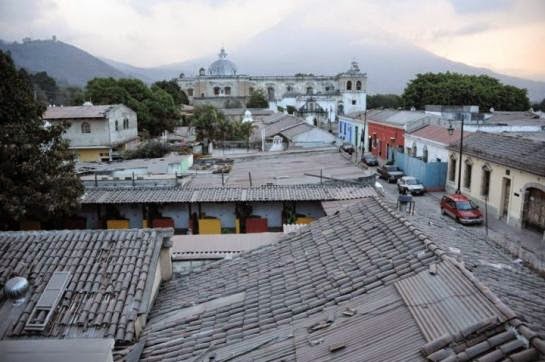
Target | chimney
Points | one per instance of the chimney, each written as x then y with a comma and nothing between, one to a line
165,257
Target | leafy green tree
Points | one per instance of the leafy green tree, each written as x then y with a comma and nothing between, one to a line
460,89
539,106
384,101
45,87
206,120
291,109
242,130
155,107
37,181
257,100
172,88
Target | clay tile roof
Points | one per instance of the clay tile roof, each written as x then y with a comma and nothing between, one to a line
438,134
361,284
518,152
111,273
307,192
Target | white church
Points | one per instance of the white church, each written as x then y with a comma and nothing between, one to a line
317,98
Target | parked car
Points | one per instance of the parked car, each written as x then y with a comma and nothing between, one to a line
347,147
462,209
390,173
369,159
410,184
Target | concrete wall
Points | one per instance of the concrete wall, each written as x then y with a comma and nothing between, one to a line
103,131
436,151
382,136
92,154
309,208
347,131
519,180
178,212
133,213
122,135
224,211
271,211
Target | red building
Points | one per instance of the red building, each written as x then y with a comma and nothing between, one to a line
386,130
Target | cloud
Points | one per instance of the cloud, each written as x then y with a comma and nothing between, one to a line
472,6
155,32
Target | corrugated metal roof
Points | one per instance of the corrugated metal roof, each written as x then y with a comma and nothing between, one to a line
446,302
315,192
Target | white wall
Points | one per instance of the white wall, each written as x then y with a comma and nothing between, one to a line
224,212
122,135
177,212
271,211
435,150
133,213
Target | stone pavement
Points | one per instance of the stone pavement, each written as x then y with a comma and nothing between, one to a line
519,286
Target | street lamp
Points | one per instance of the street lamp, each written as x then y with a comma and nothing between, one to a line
450,130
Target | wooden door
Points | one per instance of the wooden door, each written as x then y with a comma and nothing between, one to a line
506,194
534,208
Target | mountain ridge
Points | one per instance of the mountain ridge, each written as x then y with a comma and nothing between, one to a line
389,65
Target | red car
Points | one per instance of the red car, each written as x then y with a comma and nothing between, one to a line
461,208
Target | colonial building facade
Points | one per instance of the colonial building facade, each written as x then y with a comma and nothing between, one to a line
505,171
96,133
318,99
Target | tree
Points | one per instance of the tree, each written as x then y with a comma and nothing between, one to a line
172,88
45,87
539,106
154,107
206,120
384,101
460,89
37,181
257,100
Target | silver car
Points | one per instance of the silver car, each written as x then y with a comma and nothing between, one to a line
409,184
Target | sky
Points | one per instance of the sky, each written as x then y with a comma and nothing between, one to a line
507,36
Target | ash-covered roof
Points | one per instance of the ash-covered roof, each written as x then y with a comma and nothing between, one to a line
361,284
438,134
110,274
73,112
313,192
518,152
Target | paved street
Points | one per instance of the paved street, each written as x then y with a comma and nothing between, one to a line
517,285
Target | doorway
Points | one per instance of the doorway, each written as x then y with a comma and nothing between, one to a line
506,188
534,209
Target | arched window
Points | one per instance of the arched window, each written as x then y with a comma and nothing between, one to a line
227,91
349,85
425,154
358,85
85,127
270,93
467,173
485,182
216,91
190,92
117,125
309,90
289,88
125,123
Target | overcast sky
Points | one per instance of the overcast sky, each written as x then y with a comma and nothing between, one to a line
504,35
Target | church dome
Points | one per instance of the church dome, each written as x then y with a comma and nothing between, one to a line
222,66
